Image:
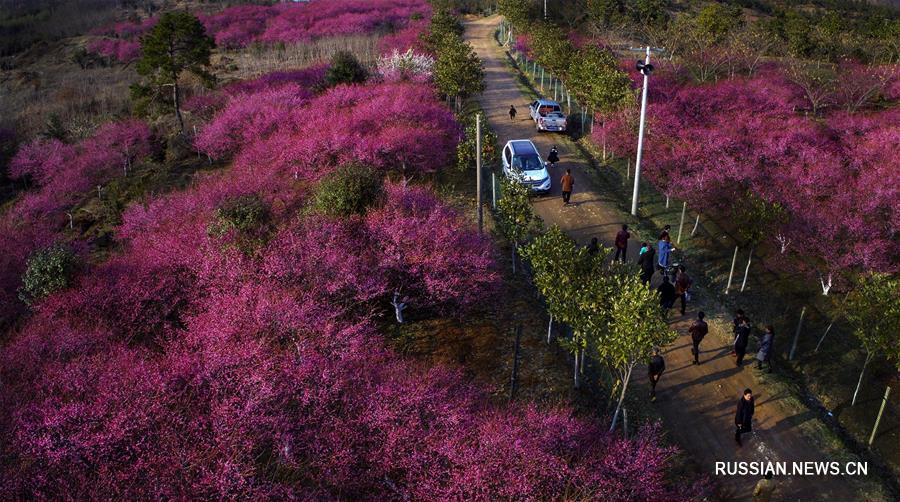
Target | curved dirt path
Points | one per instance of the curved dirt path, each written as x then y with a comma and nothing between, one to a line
697,403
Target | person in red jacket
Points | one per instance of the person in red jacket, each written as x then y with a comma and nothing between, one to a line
622,244
698,331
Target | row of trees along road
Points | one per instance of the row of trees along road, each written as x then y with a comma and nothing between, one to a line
613,315
591,73
458,72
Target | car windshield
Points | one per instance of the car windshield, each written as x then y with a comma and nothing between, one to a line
527,162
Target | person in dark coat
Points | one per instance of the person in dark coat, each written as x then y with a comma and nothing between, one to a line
594,247
553,158
666,294
743,416
655,369
647,262
622,244
741,338
512,112
738,315
764,355
698,331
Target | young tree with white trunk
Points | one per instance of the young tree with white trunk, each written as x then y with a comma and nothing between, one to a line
635,328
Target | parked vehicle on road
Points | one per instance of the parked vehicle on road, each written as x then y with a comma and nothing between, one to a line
521,158
547,115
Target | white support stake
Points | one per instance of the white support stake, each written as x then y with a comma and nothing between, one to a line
731,274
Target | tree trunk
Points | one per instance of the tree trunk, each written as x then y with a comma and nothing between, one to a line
625,381
176,99
581,364
515,245
861,373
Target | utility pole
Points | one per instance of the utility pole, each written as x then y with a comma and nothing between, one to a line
478,169
646,68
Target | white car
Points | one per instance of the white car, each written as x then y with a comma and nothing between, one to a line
521,158
547,115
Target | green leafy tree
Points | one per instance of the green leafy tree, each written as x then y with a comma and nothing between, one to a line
649,12
466,149
515,215
552,49
345,69
458,72
592,295
873,309
351,189
606,13
443,24
177,43
717,22
516,12
597,81
48,270
550,255
244,222
635,329
574,287
756,218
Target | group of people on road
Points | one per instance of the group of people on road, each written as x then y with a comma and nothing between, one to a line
741,331
676,284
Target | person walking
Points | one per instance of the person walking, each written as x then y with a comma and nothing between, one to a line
553,158
741,338
683,284
743,416
594,247
666,295
655,369
663,252
764,355
647,262
622,244
512,112
698,331
567,182
764,488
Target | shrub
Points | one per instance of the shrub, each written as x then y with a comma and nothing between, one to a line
49,269
345,69
351,189
244,219
465,150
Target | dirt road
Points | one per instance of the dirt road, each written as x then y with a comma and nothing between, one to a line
697,402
